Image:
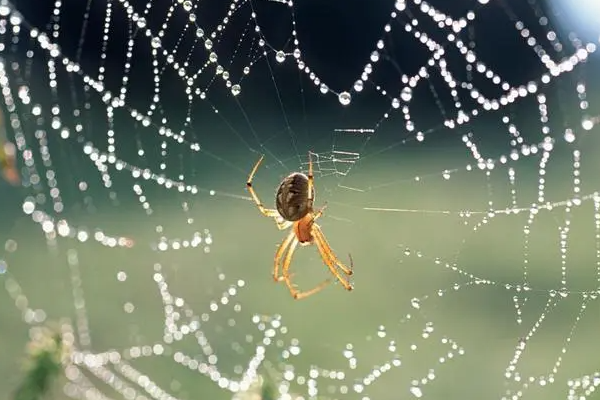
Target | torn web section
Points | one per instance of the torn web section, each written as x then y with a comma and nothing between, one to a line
345,152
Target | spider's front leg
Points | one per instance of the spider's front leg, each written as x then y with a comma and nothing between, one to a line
311,182
267,212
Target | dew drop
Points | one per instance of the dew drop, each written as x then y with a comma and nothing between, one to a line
187,5
358,85
415,303
416,391
280,56
345,98
155,42
400,5
587,124
10,245
235,90
406,94
569,136
128,307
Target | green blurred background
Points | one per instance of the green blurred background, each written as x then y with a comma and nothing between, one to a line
481,319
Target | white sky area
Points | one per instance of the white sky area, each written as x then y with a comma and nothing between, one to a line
584,15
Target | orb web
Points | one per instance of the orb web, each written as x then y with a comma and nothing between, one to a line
462,179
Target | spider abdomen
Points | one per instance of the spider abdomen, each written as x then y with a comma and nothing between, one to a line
292,197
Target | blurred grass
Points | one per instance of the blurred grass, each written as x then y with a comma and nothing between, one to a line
45,354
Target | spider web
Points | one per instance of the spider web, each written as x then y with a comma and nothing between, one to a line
454,146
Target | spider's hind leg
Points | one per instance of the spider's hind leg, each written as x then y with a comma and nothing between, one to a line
331,260
298,295
287,278
279,254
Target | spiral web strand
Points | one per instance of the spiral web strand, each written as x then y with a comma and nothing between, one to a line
51,114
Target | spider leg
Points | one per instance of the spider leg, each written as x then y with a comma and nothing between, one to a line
282,223
328,254
279,254
319,212
331,265
297,294
301,295
320,236
267,212
285,273
311,178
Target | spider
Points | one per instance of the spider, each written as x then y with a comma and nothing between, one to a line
294,202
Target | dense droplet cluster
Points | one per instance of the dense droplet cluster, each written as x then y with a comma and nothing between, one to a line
343,382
